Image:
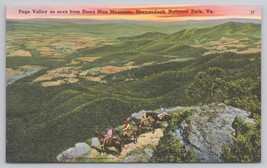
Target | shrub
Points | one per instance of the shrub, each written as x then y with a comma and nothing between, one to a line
246,145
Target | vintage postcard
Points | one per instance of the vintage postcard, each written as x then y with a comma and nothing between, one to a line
157,84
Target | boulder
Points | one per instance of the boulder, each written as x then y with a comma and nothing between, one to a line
131,159
208,129
81,149
142,156
74,152
148,152
95,142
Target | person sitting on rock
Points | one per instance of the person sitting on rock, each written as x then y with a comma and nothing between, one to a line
108,135
161,113
126,127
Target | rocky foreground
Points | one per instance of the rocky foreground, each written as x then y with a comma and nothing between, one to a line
205,130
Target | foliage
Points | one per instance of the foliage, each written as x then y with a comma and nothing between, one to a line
214,86
246,145
245,94
207,87
171,150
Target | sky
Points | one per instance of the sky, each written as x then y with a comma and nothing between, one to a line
151,13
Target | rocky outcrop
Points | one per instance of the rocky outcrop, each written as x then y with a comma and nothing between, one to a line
208,129
205,129
143,156
140,114
72,153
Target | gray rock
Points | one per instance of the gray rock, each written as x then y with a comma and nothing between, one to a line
210,128
149,152
130,159
95,142
74,152
178,133
143,156
140,114
66,155
81,148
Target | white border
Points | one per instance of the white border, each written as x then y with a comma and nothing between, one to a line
3,3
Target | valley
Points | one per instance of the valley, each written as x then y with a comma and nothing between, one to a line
66,79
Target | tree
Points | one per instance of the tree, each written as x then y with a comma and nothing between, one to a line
212,86
207,87
246,145
245,93
171,149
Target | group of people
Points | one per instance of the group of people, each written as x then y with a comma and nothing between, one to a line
124,131
109,134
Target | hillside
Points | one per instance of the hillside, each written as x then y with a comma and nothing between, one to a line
181,43
85,81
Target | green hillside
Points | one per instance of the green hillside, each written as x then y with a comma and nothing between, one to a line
179,43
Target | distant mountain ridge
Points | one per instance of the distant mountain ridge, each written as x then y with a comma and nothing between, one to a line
231,27
182,41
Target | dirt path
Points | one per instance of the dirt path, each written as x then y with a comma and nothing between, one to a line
148,138
144,139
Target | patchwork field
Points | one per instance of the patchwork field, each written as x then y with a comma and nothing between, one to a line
239,46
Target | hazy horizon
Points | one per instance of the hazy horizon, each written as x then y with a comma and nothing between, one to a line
141,13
